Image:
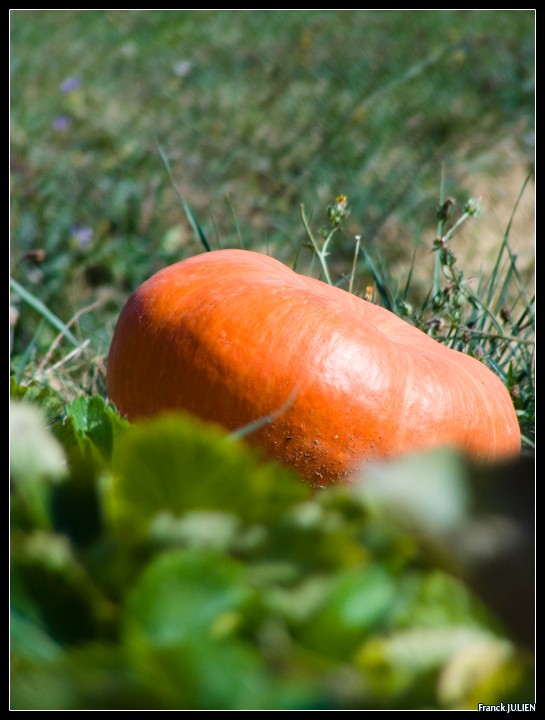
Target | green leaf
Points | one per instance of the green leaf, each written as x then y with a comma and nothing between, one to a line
88,422
178,464
436,599
43,396
96,425
183,595
43,310
179,628
356,604
29,641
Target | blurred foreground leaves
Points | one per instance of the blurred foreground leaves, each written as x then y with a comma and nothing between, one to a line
164,566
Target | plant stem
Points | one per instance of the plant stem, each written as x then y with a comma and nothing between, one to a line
44,311
440,227
321,254
353,273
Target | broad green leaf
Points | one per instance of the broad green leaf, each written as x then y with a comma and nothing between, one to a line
183,595
96,425
356,604
178,464
86,421
179,625
436,599
183,632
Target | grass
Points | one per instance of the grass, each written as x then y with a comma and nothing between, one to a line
387,152
148,136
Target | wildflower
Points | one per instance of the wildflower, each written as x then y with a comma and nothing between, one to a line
473,206
61,123
82,234
70,84
339,211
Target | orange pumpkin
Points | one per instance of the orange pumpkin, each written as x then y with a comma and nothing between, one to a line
233,336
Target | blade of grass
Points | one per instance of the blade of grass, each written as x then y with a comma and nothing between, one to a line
44,311
235,219
409,276
505,242
187,209
216,231
526,441
25,357
505,287
526,313
261,422
382,286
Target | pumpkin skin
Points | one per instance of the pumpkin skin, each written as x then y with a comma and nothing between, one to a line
233,336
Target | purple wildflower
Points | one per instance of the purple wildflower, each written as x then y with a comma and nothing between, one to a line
61,122
82,234
70,84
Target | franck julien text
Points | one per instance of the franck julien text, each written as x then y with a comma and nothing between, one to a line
509,707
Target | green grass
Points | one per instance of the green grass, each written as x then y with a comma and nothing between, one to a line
148,136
